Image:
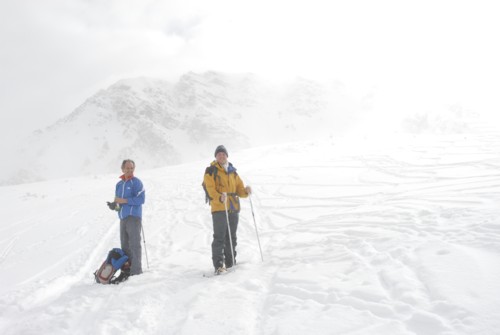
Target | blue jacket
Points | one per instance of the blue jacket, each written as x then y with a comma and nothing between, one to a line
134,192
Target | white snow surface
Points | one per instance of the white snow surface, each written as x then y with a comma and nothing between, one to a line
400,236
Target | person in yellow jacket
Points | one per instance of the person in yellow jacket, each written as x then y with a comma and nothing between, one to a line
224,187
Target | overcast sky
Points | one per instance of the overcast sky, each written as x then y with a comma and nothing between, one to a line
56,53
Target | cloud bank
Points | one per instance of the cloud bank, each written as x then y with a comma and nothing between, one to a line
411,56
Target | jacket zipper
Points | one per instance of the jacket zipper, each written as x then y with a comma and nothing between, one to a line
123,194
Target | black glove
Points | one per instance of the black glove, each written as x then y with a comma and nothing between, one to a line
112,205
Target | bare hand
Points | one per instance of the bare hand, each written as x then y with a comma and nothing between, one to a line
248,189
223,197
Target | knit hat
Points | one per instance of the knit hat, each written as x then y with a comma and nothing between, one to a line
221,148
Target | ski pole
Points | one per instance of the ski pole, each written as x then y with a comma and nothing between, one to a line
145,249
256,231
229,231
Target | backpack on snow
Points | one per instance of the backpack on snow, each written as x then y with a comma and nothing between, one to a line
116,260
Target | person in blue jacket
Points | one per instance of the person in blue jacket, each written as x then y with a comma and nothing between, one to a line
129,198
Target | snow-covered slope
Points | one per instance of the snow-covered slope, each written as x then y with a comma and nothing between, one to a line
158,123
401,237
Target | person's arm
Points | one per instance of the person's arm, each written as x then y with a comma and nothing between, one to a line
241,190
136,200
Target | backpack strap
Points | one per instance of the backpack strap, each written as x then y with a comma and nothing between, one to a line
211,170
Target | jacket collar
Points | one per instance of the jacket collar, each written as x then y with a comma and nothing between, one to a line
122,177
230,168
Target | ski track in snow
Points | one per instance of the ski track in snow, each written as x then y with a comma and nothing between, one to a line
402,241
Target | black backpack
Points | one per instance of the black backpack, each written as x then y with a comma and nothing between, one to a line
211,170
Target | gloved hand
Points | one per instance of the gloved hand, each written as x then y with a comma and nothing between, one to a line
248,189
113,206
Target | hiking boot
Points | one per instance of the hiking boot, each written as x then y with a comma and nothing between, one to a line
220,270
229,265
121,278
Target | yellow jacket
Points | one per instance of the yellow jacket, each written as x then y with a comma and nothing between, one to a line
228,182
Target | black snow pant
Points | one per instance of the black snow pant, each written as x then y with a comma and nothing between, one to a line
221,246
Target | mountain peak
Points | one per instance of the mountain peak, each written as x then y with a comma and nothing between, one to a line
161,123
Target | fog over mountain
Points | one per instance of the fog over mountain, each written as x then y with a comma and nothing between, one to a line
161,123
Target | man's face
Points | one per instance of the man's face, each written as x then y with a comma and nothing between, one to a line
221,158
128,169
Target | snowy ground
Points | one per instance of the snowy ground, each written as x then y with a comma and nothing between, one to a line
401,237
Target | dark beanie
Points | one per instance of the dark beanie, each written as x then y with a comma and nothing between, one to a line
221,148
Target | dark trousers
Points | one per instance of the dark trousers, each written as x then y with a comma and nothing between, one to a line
221,247
130,238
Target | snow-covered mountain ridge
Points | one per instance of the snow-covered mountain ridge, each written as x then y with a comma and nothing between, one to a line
160,123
